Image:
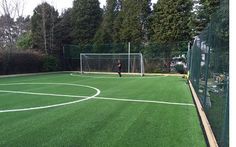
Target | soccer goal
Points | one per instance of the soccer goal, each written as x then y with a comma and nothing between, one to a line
132,63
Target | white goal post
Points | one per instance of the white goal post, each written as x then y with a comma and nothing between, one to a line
132,63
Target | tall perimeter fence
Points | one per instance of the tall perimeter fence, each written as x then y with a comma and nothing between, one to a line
209,72
158,58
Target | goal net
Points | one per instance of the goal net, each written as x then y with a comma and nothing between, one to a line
107,63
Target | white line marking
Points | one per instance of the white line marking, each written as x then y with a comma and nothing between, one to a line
42,94
144,101
97,77
107,77
48,106
86,98
65,84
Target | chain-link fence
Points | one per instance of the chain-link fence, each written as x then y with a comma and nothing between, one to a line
209,72
158,58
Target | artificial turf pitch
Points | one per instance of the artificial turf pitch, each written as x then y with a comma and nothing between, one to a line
129,111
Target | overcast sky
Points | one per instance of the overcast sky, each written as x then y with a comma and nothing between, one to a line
58,4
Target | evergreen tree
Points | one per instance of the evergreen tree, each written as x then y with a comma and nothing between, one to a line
86,18
171,21
218,28
105,33
203,9
24,41
64,29
117,23
42,26
135,20
209,7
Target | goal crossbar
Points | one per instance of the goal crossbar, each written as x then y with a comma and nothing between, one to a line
92,62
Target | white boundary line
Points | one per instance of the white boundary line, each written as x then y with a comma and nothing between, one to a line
97,77
66,72
144,101
101,77
85,98
42,94
75,96
32,74
48,106
100,98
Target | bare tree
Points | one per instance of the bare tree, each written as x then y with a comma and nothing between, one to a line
19,7
13,8
6,24
44,30
10,30
52,29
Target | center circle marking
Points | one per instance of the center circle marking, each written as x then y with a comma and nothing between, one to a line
54,105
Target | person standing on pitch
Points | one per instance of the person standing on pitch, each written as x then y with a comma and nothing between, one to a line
119,65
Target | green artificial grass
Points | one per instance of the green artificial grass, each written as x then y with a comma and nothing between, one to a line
99,122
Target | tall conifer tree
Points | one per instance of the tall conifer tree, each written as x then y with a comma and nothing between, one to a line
171,20
203,9
135,20
42,26
86,18
105,33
